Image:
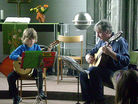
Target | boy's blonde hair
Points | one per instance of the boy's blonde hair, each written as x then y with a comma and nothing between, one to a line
29,33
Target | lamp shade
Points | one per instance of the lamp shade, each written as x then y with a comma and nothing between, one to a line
82,20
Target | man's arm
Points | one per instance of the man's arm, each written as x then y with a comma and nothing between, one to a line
121,56
108,51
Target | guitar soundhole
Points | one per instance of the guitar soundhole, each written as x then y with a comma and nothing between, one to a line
20,64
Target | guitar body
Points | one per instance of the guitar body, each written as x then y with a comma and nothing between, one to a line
97,58
101,59
23,72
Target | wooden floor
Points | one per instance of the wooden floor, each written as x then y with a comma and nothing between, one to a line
9,101
65,89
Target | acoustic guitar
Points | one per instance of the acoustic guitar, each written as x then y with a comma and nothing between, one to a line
28,72
99,56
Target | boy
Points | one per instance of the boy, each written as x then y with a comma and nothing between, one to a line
29,39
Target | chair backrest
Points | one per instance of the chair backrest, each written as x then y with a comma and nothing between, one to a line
71,39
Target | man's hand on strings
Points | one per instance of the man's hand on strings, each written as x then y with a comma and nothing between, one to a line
107,50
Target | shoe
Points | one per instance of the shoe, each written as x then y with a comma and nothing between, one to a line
43,96
87,102
17,100
99,102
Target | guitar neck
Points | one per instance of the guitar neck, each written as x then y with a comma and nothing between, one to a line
50,47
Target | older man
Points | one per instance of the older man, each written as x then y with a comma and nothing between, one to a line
113,56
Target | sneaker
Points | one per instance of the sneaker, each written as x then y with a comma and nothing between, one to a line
43,96
17,100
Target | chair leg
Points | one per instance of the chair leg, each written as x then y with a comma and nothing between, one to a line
45,89
58,72
45,85
17,84
20,88
61,70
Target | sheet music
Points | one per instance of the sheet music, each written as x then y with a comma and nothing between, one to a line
75,64
18,19
37,59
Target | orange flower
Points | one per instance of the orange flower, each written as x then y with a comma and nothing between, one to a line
40,10
46,6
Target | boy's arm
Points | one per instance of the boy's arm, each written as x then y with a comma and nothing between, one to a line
16,54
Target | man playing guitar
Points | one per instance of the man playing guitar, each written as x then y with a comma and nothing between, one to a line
113,56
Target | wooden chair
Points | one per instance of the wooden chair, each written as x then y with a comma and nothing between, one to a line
68,39
21,83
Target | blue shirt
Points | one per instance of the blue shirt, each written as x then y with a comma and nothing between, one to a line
19,50
120,47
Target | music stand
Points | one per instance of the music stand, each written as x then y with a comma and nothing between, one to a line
38,59
77,66
78,94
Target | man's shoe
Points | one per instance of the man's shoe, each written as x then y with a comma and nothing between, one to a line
87,102
99,102
17,100
43,96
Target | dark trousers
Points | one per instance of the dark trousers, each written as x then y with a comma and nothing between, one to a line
13,76
92,88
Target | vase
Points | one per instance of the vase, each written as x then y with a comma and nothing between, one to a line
40,17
